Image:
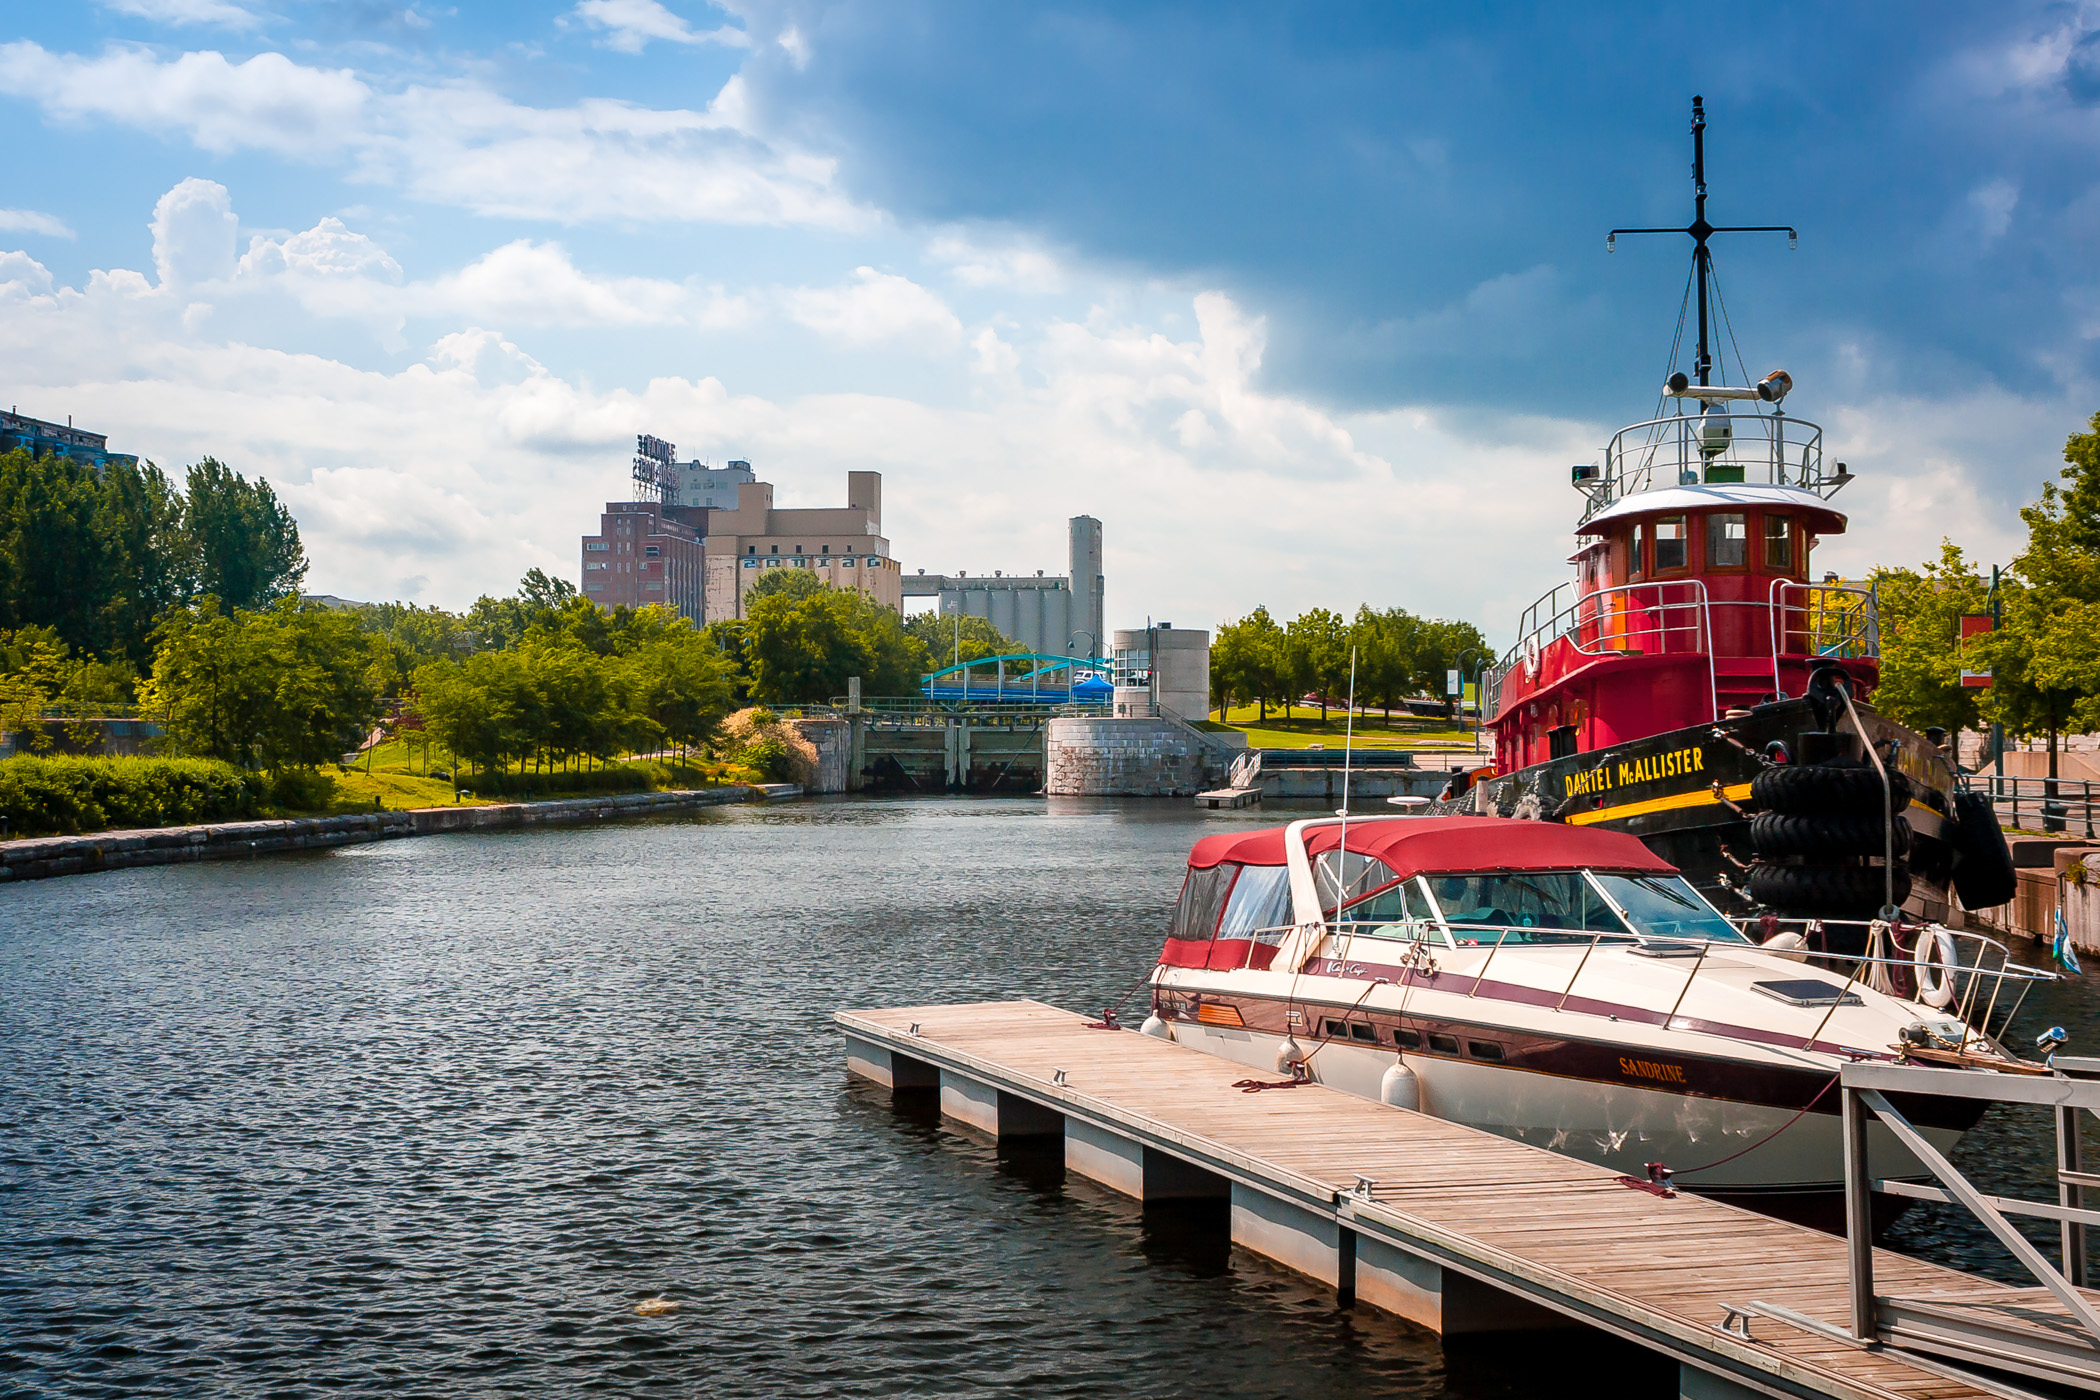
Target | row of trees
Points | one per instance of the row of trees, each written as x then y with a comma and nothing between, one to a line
101,557
1398,656
2044,657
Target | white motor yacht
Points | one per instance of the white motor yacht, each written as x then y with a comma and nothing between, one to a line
1567,987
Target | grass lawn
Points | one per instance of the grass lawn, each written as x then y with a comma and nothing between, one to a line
397,781
1303,729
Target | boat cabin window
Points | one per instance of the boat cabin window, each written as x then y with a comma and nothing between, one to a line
1666,906
1637,554
1261,899
1202,901
1727,540
1669,544
1559,906
1779,543
1344,877
1400,911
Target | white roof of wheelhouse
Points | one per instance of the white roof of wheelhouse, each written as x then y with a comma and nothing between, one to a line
1683,498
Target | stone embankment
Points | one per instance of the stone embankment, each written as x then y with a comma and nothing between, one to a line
40,858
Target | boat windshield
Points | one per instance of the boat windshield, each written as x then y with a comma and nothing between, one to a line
1665,906
1559,906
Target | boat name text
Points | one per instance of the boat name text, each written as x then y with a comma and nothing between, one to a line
1605,776
1649,1069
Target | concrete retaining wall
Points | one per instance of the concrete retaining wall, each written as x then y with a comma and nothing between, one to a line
1098,757
833,741
40,858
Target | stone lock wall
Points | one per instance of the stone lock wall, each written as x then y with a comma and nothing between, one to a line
1122,758
833,741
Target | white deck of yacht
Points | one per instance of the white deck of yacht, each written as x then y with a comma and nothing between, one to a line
1451,1227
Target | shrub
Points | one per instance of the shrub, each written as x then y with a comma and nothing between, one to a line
63,796
302,790
760,740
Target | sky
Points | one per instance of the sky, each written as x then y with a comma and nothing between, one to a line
1309,304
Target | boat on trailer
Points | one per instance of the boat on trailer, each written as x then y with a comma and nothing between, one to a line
1567,987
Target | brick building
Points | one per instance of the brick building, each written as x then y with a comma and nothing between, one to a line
646,552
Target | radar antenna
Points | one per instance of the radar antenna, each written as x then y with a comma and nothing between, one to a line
1700,230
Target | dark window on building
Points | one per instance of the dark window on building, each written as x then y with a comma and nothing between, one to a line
750,549
651,551
776,549
1359,1031
1443,1044
1484,1049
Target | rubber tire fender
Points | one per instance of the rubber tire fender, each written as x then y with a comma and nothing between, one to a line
1825,891
1789,834
1983,864
1849,789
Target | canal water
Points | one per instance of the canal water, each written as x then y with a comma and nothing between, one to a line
431,1118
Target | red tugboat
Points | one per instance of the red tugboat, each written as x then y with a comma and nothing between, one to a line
1697,686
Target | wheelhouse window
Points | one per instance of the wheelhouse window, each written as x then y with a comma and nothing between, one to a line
1203,897
1669,544
1779,543
1637,552
1666,906
1727,541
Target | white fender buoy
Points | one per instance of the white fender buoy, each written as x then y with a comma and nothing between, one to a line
1287,1054
1787,945
1154,1026
1935,973
1400,1087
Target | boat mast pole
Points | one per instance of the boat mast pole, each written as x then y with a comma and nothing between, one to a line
1702,257
1700,230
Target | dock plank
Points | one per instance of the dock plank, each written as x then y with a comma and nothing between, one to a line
1665,1263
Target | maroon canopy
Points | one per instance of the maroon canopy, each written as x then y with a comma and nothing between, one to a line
1446,846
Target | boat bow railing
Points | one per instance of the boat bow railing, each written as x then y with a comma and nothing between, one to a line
1712,448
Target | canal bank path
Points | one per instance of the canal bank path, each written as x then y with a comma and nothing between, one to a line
42,857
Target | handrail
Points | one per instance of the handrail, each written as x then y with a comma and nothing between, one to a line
2007,792
1721,448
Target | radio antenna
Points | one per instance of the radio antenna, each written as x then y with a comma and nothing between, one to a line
1700,230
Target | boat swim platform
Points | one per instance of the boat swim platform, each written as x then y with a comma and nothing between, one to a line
1450,1227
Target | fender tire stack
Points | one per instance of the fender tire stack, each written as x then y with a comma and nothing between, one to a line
1819,839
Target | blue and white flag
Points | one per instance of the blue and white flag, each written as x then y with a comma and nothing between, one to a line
2061,947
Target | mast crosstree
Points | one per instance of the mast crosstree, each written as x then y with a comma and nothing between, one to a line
1700,231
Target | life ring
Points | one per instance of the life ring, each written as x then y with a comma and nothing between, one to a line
1935,975
1531,657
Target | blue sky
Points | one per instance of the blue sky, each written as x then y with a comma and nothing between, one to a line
1310,304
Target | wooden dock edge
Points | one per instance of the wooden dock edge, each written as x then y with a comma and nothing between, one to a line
1366,1250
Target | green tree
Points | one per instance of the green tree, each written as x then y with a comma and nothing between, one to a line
1439,647
244,544
1316,649
801,645
210,686
1247,662
1920,613
323,673
680,681
951,637
2045,663
1386,643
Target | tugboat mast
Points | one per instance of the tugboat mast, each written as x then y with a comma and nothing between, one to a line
1700,231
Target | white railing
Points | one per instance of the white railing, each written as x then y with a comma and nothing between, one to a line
1689,449
1839,620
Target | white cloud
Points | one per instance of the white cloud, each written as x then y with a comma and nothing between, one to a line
875,308
631,24
193,234
219,12
22,276
31,221
457,144
266,103
1016,264
1993,205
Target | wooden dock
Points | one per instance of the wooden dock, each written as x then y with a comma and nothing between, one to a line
1453,1228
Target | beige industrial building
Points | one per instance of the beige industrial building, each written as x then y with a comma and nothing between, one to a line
843,547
